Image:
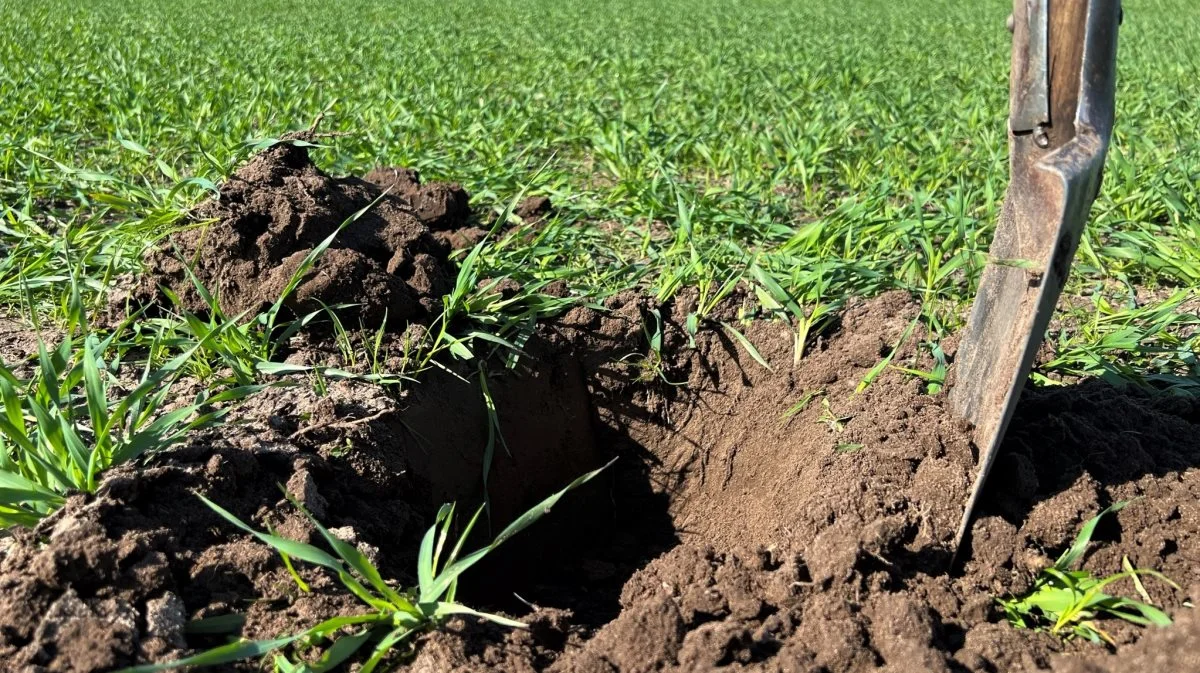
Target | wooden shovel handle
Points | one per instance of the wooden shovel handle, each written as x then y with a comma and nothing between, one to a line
1067,21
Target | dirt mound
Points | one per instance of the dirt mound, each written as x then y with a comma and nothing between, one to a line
755,521
145,554
248,242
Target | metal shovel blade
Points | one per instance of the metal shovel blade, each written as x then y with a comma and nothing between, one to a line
1057,145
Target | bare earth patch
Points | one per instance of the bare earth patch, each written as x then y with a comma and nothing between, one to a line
728,536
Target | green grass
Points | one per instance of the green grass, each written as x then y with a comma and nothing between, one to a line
395,617
827,150
764,144
1067,602
76,417
810,151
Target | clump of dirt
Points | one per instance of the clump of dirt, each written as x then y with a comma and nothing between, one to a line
534,209
250,240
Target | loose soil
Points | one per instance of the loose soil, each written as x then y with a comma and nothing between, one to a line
245,245
737,530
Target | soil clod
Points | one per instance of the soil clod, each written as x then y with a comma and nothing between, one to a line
248,242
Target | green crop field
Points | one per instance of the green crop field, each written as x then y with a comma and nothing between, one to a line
841,150
795,153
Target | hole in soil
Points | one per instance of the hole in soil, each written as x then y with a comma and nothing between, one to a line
741,523
1169,547
725,522
580,557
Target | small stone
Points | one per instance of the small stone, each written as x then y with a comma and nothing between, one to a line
345,534
302,487
165,619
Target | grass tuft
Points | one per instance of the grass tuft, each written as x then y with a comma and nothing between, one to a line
1069,603
395,615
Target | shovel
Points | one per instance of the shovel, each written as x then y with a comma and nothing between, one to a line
1060,122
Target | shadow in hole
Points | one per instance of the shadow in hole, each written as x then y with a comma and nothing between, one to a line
1114,436
580,556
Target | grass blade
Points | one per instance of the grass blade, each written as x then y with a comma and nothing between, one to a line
883,364
300,550
741,338
451,573
1072,555
446,609
237,651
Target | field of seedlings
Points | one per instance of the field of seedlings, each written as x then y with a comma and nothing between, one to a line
600,336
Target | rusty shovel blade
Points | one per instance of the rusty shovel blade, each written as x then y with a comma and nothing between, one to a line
1057,145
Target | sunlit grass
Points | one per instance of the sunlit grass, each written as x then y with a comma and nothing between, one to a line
837,150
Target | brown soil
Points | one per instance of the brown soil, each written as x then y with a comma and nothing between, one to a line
738,530
726,537
18,343
809,548
245,245
534,209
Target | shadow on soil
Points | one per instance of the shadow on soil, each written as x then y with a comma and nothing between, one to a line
1089,436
